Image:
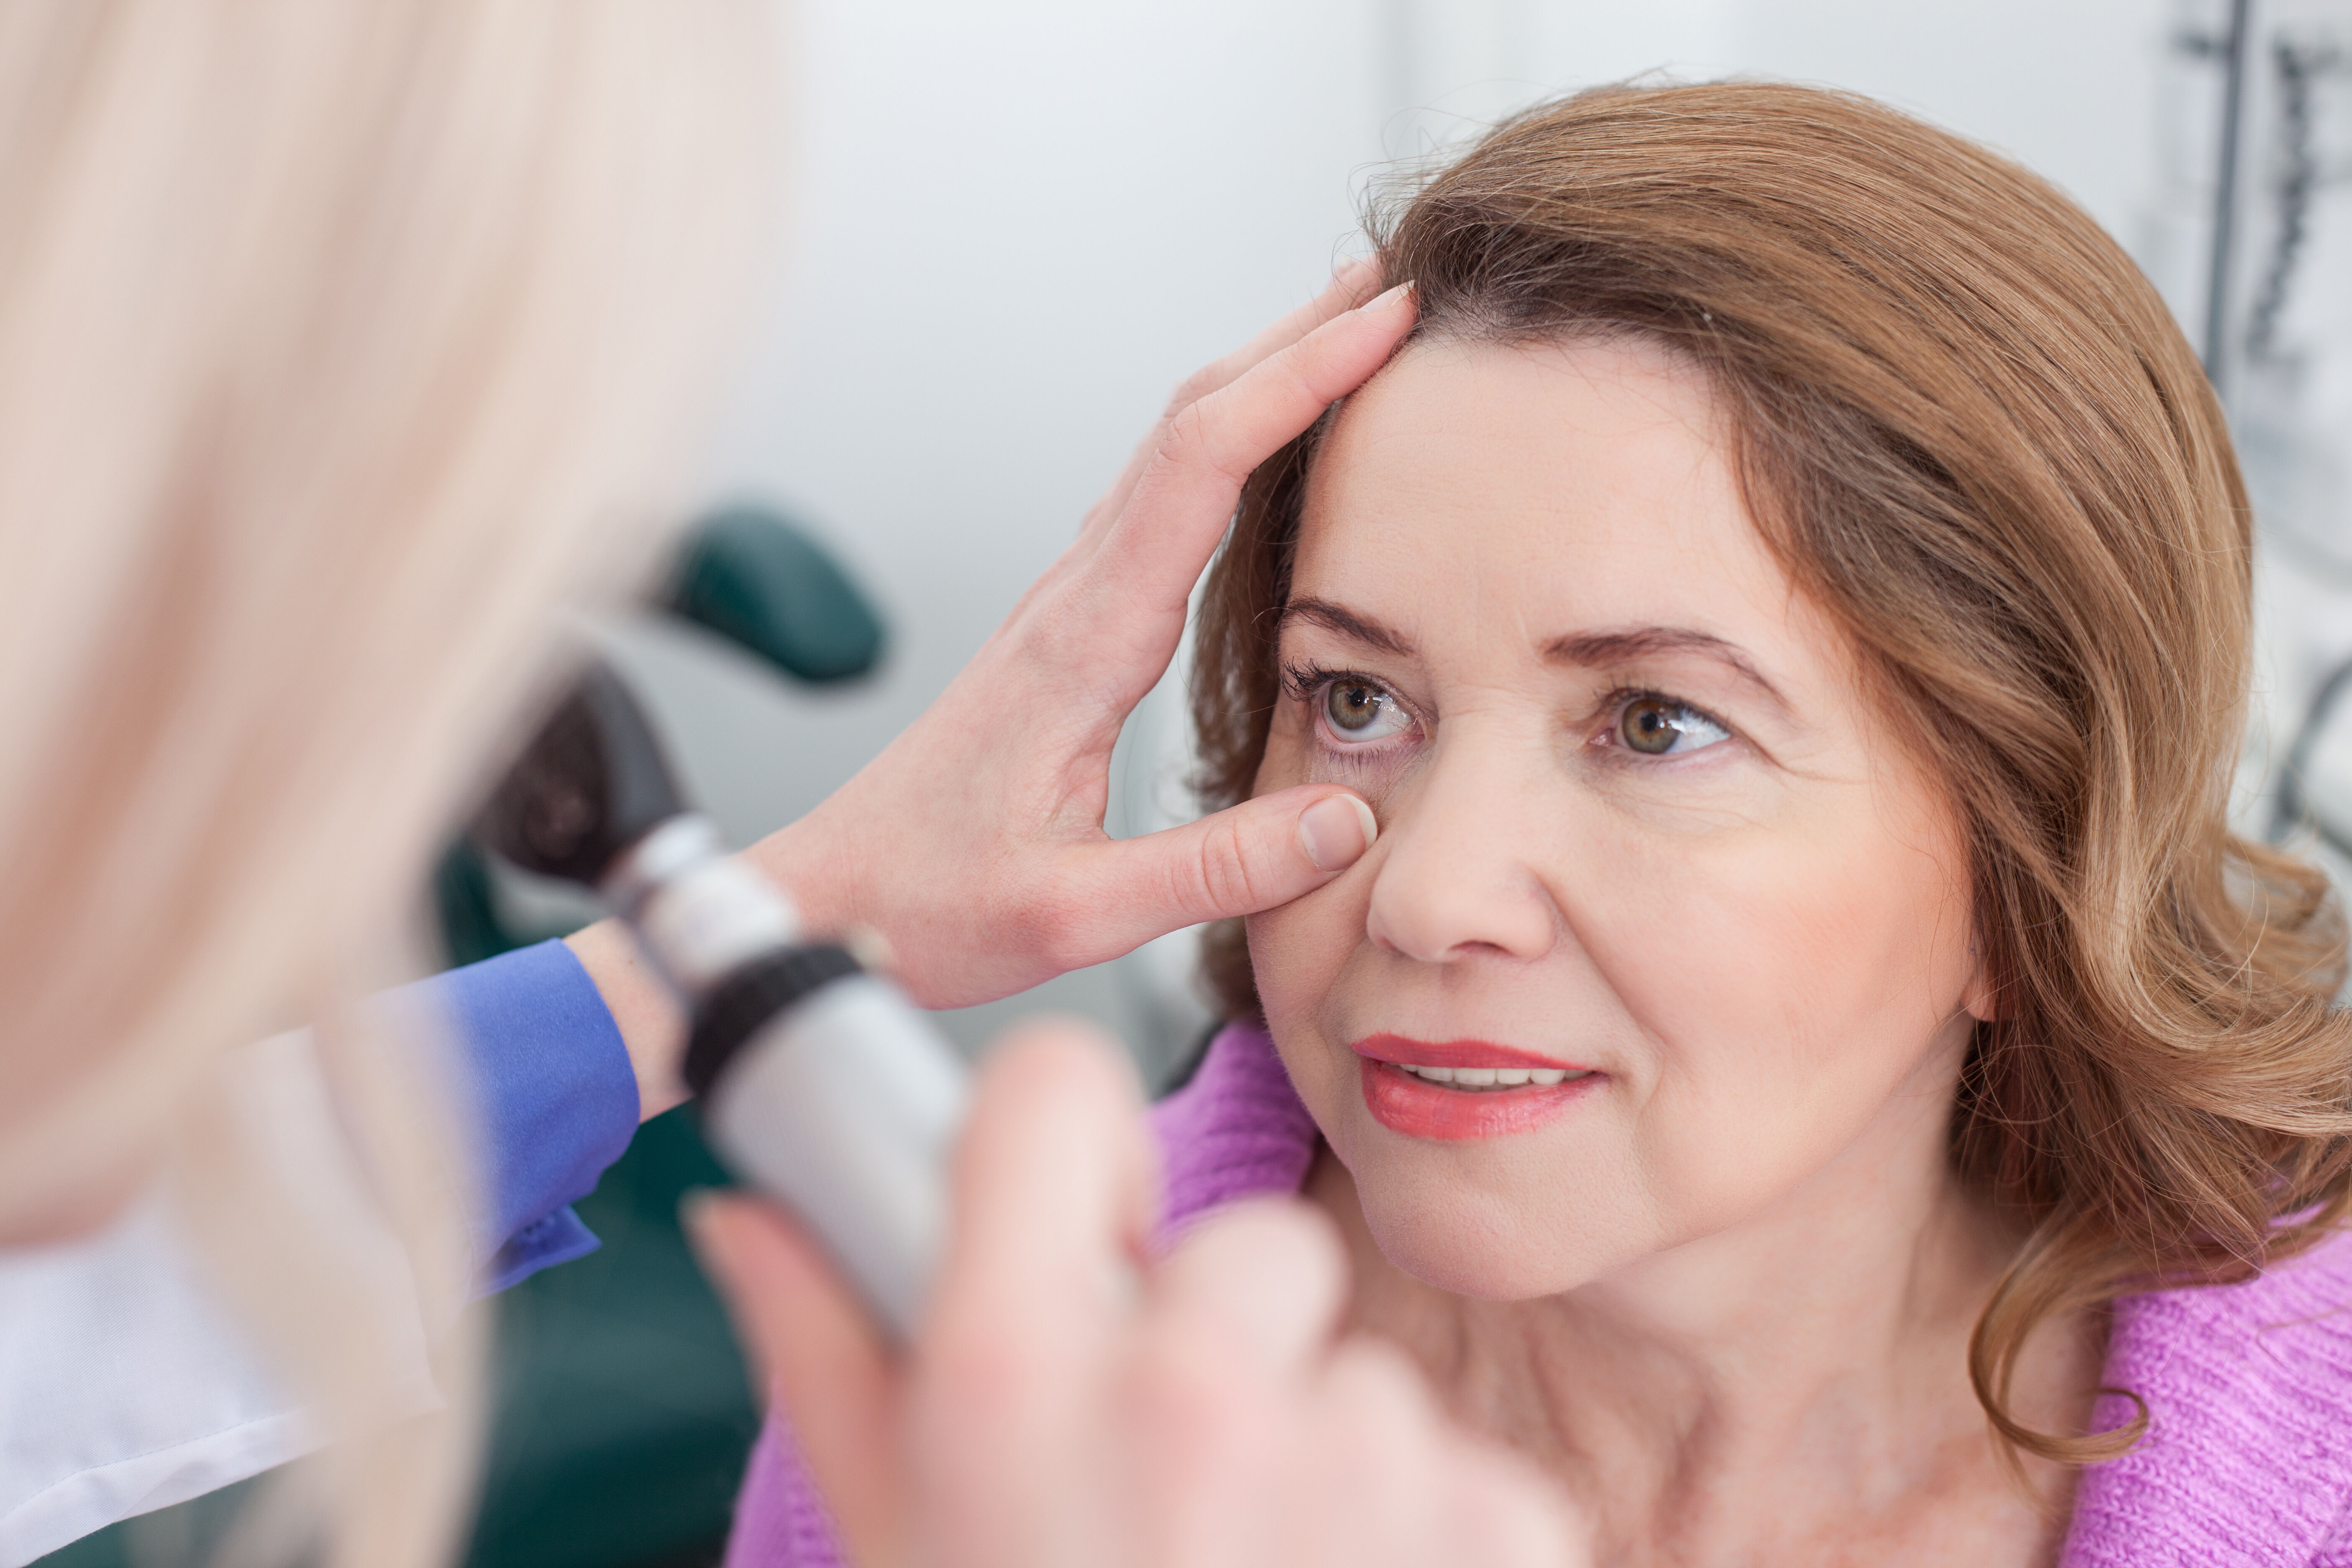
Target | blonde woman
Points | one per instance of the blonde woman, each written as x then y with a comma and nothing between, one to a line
344,345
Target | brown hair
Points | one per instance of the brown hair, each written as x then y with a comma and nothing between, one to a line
1972,432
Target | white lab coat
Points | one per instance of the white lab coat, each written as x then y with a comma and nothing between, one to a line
125,1385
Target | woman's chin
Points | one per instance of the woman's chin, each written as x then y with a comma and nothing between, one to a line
1466,1247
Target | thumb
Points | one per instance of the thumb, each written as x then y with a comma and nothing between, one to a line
1256,856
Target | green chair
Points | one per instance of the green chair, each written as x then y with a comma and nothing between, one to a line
745,573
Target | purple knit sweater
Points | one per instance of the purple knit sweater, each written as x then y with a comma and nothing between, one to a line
2248,1460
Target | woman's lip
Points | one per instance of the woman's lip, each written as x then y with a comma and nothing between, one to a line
1417,1108
1455,1054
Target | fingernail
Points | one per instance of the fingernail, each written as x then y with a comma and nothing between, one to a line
1387,302
1353,275
1336,831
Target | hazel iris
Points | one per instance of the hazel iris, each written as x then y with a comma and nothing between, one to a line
1652,725
1353,706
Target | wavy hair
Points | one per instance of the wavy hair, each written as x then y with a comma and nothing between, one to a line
1970,430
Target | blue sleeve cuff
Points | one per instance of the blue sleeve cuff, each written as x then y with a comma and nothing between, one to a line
558,1239
555,1098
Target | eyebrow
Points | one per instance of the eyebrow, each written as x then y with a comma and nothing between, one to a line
1599,648
1332,617
1588,650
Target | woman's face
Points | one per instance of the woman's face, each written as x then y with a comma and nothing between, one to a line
1656,881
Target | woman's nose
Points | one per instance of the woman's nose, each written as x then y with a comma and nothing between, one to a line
1463,870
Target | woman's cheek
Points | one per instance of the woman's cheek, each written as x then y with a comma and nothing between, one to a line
1297,951
1300,953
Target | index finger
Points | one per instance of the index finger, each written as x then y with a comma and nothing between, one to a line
1056,1191
1349,288
810,1340
1155,551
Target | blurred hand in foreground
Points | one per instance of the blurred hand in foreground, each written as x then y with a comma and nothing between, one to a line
1071,1404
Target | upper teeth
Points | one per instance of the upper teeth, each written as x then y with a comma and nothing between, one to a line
1489,1078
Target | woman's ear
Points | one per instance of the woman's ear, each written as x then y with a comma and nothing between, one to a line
1981,995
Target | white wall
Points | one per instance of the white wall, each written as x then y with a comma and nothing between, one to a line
2068,87
1020,224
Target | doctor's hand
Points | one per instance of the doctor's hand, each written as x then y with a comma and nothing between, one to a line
1069,1404
974,843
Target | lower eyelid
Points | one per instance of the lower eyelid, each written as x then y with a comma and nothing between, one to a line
1344,743
1337,739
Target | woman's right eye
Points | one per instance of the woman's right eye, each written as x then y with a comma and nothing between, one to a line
1359,711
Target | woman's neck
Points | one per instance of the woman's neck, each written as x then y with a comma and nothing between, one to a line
1792,1389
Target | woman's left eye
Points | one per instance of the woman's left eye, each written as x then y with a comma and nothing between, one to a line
1358,711
1657,726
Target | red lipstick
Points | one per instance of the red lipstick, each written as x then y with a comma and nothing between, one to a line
1405,1101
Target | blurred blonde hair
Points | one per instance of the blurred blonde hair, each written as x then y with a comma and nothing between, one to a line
341,343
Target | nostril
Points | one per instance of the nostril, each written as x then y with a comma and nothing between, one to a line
1447,919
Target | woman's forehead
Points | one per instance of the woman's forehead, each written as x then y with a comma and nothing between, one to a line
1578,488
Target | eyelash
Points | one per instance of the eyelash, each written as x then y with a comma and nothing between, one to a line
1302,681
1308,683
